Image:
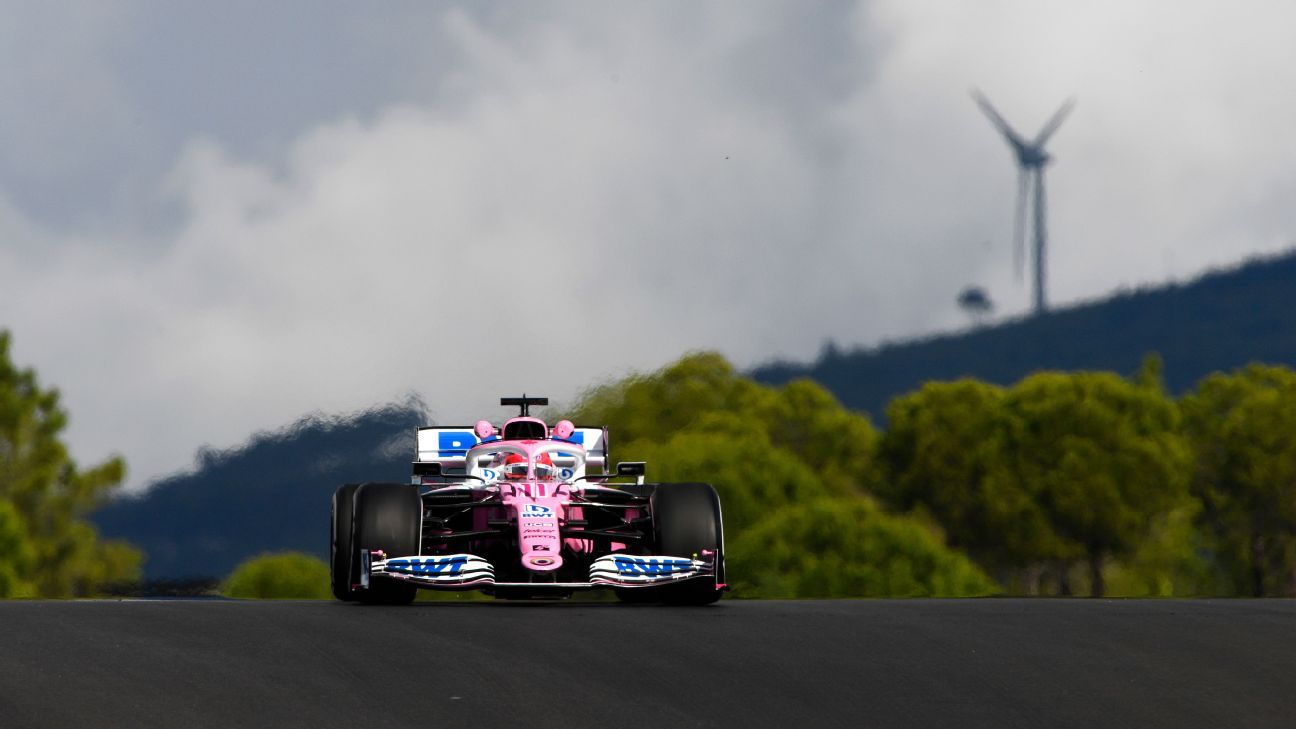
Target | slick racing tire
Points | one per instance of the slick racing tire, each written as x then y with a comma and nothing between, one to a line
342,571
388,516
686,520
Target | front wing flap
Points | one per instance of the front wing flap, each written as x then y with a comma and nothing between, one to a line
454,571
626,570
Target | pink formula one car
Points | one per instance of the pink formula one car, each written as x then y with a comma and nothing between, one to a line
526,511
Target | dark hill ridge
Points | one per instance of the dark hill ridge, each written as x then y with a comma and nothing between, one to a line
1218,322
271,494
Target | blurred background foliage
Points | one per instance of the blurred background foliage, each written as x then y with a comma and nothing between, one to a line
47,547
794,471
1062,483
286,575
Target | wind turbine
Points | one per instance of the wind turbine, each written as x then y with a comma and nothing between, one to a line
1031,159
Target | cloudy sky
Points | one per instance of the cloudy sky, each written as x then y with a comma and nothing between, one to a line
218,217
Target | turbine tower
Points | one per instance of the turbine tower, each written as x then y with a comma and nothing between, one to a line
1031,159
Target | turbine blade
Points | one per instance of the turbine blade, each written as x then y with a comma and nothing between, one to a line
1013,138
1052,126
1019,224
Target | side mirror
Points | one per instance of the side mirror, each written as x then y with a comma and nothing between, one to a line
422,468
632,468
564,430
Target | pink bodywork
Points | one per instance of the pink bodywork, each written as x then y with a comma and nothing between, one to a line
539,507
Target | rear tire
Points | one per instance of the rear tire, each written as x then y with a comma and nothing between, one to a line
389,517
341,556
686,520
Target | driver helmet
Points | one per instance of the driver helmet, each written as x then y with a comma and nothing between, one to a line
515,467
544,467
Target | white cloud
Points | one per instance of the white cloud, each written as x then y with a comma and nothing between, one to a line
563,194
561,226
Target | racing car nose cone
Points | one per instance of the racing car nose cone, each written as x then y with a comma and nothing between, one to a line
542,562
539,535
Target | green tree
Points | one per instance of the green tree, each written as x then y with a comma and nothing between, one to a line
702,393
1057,469
16,557
792,466
47,548
1242,427
1106,456
1170,561
847,547
752,477
645,406
282,576
839,444
945,452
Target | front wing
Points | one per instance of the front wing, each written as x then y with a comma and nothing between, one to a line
458,571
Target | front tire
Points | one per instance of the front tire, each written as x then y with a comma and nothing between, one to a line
341,555
388,517
686,520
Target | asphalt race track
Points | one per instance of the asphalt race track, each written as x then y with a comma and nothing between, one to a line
885,663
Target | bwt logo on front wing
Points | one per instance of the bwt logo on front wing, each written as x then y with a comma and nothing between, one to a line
536,511
428,565
632,566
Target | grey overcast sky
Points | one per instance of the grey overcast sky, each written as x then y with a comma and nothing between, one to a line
218,217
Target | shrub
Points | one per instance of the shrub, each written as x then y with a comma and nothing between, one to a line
283,576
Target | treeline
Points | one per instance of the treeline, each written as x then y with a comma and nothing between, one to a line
1064,483
795,472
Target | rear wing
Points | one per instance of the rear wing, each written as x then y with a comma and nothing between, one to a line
449,446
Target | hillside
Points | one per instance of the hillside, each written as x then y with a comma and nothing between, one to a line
1217,322
271,494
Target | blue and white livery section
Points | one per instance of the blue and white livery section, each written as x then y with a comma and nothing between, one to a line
629,570
452,571
449,569
450,445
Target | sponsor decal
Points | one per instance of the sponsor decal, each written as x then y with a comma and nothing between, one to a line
428,565
490,475
539,547
536,511
641,566
454,443
566,473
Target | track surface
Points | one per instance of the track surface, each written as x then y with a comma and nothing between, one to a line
912,663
